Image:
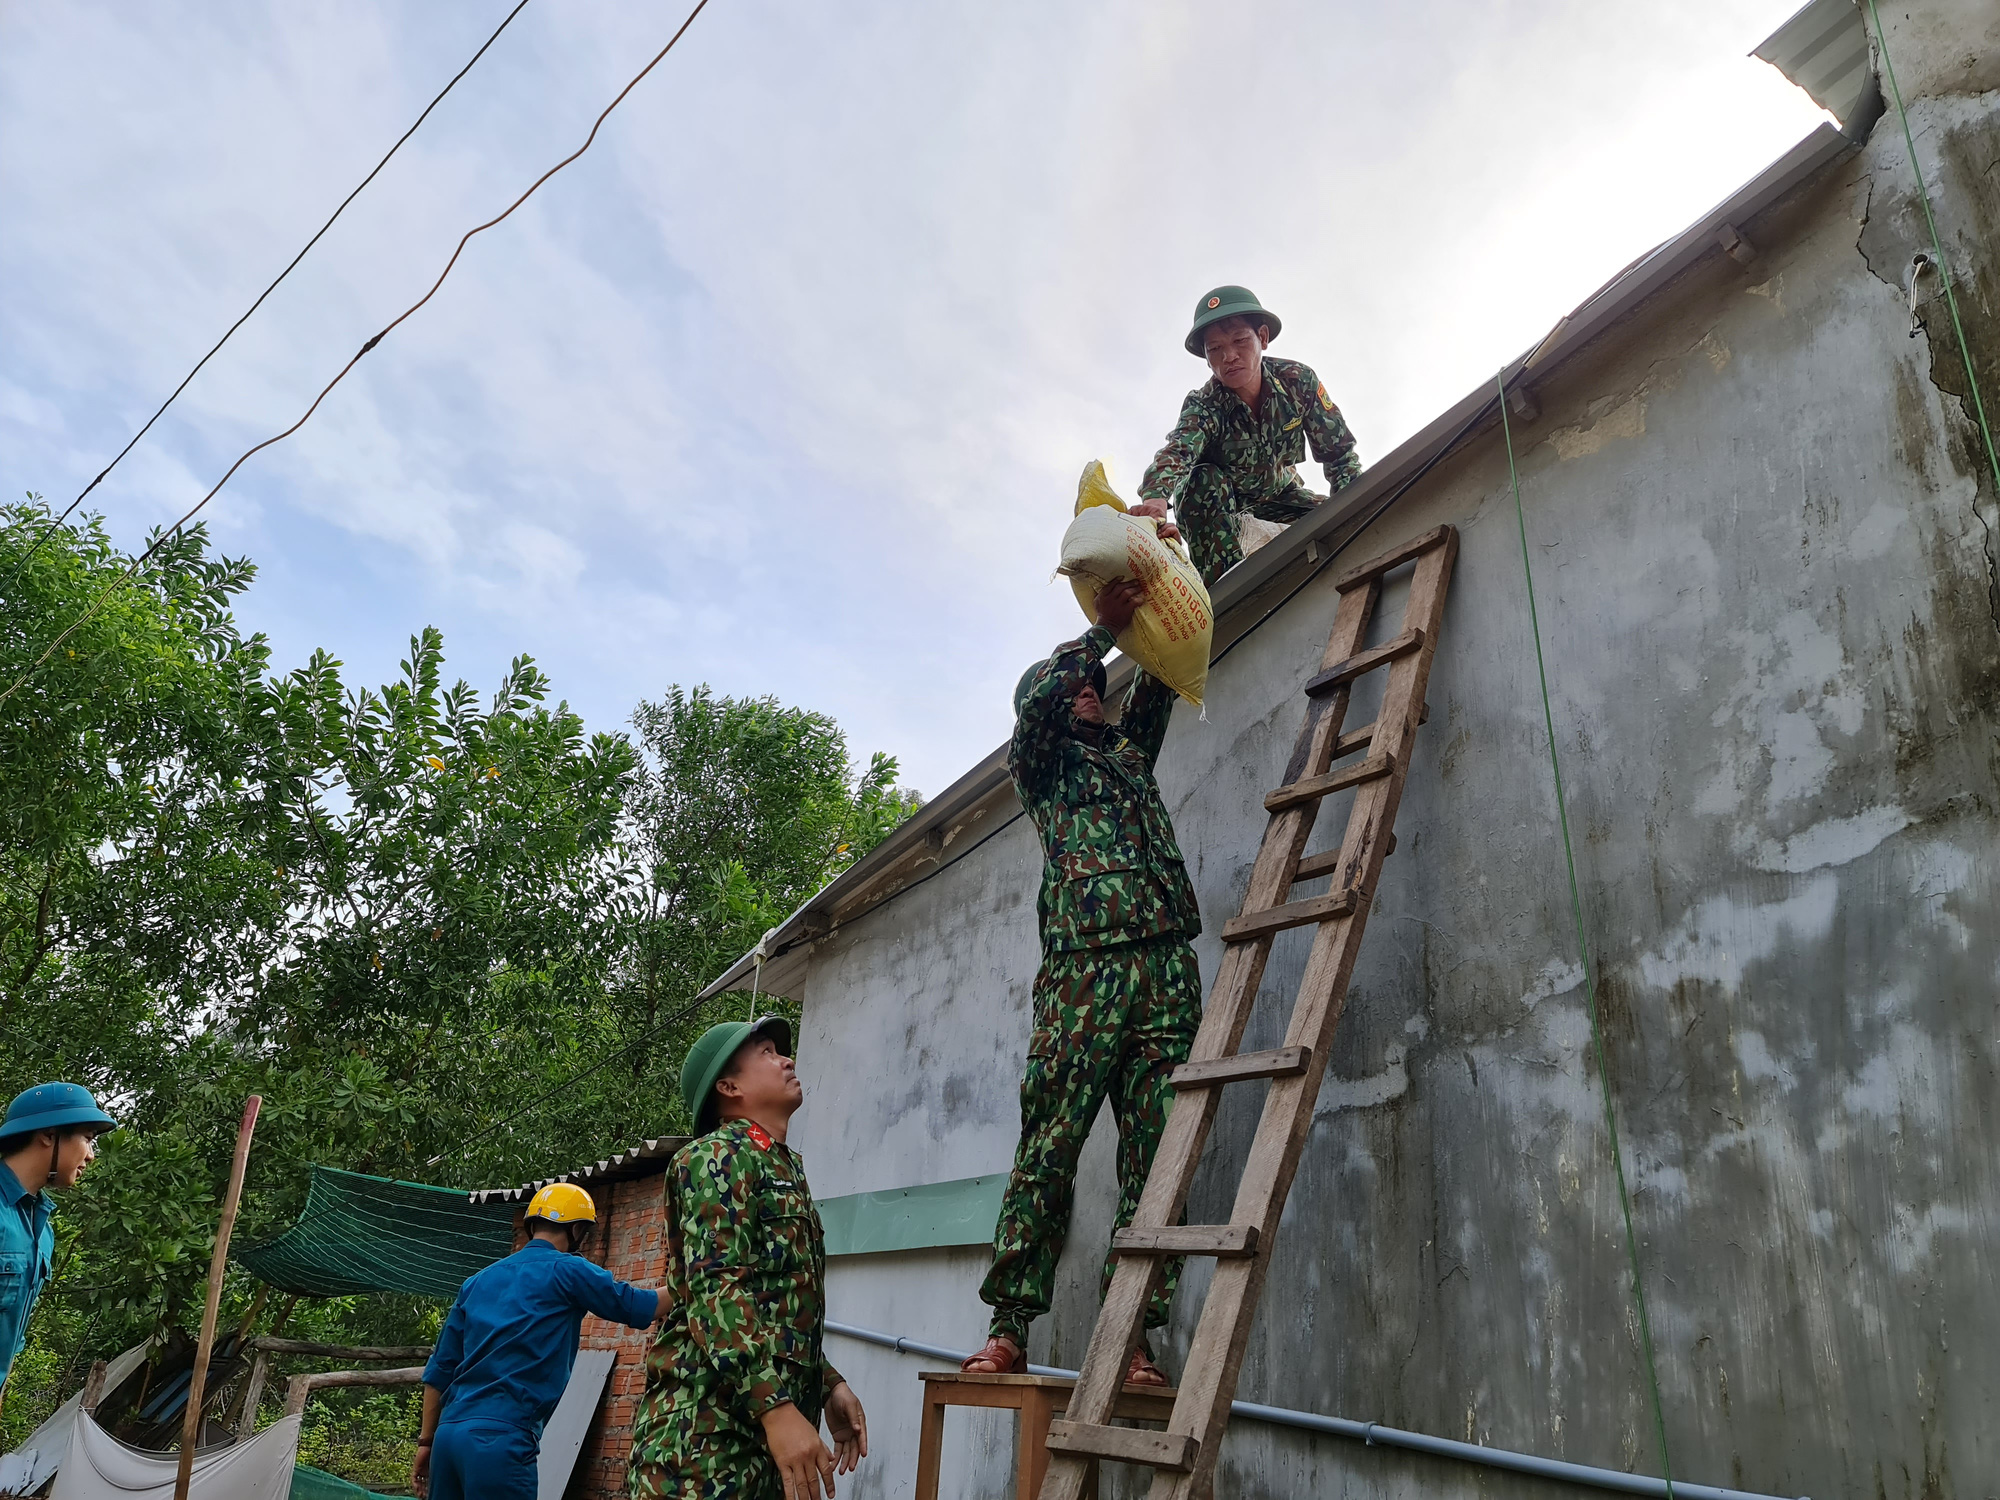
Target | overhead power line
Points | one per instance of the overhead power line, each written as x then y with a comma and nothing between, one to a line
185,379
604,1061
141,560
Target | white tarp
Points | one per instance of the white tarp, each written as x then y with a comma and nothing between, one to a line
99,1467
28,1467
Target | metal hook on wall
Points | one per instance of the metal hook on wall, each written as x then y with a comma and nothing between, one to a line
1921,262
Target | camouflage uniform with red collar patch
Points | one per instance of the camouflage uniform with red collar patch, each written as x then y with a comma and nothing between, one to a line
746,1272
1222,459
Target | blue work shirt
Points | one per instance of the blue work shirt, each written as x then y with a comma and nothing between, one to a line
506,1349
27,1255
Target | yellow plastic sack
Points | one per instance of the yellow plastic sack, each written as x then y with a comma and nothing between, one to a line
1171,632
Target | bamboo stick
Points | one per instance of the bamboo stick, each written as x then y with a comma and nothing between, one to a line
191,1423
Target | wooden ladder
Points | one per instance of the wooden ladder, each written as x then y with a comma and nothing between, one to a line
1183,1457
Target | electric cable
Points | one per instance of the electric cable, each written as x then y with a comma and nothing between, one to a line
141,560
459,1148
1583,946
32,550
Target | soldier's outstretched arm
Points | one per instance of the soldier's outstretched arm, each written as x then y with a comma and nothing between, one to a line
1147,714
716,1200
1183,449
1327,433
596,1290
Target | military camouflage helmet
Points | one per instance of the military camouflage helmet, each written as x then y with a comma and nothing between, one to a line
1228,302
1097,680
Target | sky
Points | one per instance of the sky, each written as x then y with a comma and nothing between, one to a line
784,386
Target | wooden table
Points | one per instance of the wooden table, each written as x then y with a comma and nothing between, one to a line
1038,1398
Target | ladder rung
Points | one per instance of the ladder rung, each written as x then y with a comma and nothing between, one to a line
1259,924
1315,787
1281,1062
1325,864
1223,1241
1173,1451
1366,662
1395,557
1354,739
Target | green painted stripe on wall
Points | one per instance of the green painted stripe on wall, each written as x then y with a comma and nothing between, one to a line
914,1218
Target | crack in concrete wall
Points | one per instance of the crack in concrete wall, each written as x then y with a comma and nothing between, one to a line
1965,202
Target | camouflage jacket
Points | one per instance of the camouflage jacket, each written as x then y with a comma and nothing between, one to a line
1111,872
746,1270
1255,451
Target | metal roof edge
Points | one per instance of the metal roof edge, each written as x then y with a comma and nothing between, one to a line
641,1160
1240,599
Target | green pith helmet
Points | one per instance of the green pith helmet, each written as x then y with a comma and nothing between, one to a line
709,1056
1228,302
1027,681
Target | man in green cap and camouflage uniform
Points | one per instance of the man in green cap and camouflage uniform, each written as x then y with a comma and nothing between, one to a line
737,1379
1117,999
1240,436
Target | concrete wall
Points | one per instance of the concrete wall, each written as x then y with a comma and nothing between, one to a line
1762,540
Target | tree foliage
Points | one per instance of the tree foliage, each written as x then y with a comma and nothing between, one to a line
448,937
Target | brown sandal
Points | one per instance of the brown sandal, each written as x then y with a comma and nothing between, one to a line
1142,1370
1004,1355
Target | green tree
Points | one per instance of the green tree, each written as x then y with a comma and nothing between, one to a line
741,809
443,936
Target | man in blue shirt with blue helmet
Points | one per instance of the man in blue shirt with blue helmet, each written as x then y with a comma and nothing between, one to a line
47,1139
505,1352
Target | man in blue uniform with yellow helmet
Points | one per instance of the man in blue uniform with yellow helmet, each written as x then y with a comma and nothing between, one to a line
505,1352
47,1139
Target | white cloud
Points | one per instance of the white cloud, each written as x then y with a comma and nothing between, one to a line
784,386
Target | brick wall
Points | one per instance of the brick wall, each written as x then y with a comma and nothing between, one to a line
630,1244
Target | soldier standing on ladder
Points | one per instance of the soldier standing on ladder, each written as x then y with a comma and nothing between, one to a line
1235,448
1117,1000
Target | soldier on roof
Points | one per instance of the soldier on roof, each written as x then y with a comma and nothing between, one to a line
1117,999
1235,449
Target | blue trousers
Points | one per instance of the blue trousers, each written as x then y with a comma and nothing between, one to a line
483,1461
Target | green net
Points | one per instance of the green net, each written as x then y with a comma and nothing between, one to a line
374,1234
309,1483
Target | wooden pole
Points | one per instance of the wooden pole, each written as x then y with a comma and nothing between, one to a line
191,1423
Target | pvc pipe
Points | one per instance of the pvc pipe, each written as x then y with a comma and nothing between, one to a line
1375,1435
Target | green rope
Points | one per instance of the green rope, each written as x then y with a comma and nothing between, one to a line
1937,248
1583,945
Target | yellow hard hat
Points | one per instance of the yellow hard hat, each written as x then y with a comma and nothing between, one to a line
563,1203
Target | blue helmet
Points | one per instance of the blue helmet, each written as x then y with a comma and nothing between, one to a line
53,1106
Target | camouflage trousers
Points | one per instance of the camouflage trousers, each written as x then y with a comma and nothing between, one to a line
1109,1023
687,1451
1207,510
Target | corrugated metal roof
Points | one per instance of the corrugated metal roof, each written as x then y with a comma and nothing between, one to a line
1824,50
642,1160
